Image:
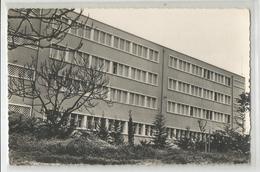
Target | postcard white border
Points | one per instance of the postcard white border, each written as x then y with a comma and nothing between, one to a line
252,5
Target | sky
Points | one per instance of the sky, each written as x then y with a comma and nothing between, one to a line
216,36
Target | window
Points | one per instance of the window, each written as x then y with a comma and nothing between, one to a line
133,73
80,119
150,54
138,74
114,68
140,129
150,78
127,46
120,69
116,42
139,50
131,100
102,37
134,50
124,96
146,130
126,71
191,111
143,76
122,44
145,52
171,107
96,35
155,79
87,32
106,66
156,56
142,100
108,39
148,101
89,122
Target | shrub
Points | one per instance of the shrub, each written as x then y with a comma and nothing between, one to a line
230,140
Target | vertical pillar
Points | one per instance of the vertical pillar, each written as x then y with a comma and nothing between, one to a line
91,34
125,130
106,123
143,130
110,67
84,122
76,120
90,61
112,41
149,130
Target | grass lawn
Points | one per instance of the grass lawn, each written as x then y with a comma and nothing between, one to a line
27,150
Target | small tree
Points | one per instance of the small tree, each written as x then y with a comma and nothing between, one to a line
243,109
102,130
117,133
160,133
130,130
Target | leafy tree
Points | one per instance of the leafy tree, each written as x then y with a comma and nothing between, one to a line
160,133
243,109
130,130
117,133
103,132
58,86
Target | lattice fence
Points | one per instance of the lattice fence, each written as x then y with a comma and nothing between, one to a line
19,71
24,110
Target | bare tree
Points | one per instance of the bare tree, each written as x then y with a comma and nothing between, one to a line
202,125
58,86
43,28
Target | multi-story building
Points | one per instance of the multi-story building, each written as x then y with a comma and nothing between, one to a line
146,78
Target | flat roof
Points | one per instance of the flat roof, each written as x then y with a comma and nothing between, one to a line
160,45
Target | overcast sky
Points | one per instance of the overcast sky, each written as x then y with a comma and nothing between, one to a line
217,36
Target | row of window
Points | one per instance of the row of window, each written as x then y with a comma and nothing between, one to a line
105,38
93,123
136,99
102,37
198,91
106,65
122,44
199,71
180,133
183,109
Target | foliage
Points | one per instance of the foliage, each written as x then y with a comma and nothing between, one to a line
103,132
230,140
130,130
243,109
160,133
88,149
